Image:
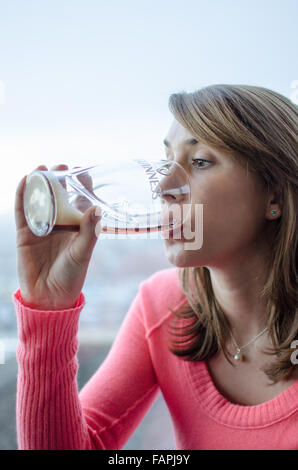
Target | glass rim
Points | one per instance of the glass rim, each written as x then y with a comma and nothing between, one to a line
158,163
52,219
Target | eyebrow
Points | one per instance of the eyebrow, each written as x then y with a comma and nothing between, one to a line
187,141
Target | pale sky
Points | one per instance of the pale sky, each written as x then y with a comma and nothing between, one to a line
86,81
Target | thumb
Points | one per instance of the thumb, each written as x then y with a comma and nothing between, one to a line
86,239
19,207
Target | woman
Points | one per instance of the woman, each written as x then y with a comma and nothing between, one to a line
232,383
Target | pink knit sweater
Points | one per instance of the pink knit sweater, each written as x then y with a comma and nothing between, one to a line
52,414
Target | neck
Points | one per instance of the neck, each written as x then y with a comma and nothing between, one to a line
237,287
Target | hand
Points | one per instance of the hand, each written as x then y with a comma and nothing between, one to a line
52,269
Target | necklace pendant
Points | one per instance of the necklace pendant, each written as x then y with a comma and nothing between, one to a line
238,356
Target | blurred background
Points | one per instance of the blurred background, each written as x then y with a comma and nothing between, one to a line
89,81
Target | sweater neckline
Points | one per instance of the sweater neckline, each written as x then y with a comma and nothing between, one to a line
220,409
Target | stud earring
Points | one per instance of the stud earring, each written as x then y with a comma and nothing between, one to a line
273,212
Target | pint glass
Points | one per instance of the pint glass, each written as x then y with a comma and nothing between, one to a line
137,195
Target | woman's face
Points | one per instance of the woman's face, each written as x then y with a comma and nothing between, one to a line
235,203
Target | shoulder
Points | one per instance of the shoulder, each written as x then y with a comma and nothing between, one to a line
163,284
160,292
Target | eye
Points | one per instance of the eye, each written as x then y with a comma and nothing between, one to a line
200,160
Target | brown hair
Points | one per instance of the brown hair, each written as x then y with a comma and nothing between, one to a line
258,127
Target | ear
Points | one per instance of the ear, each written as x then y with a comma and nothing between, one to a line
274,206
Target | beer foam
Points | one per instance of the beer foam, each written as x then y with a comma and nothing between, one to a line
46,204
66,214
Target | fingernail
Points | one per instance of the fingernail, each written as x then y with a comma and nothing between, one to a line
96,215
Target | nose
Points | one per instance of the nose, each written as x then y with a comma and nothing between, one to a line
173,188
175,193
172,198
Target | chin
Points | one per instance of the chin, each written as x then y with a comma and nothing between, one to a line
179,257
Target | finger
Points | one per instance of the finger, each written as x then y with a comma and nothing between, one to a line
59,167
85,241
41,168
19,206
82,203
86,180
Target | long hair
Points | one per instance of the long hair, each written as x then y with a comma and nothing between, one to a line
257,127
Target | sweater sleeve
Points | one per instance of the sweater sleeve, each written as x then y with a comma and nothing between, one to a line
50,411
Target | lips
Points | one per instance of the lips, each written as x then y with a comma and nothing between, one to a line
171,232
171,214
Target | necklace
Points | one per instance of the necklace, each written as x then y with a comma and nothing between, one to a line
239,355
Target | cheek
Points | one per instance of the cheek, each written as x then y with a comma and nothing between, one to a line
230,206
233,219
